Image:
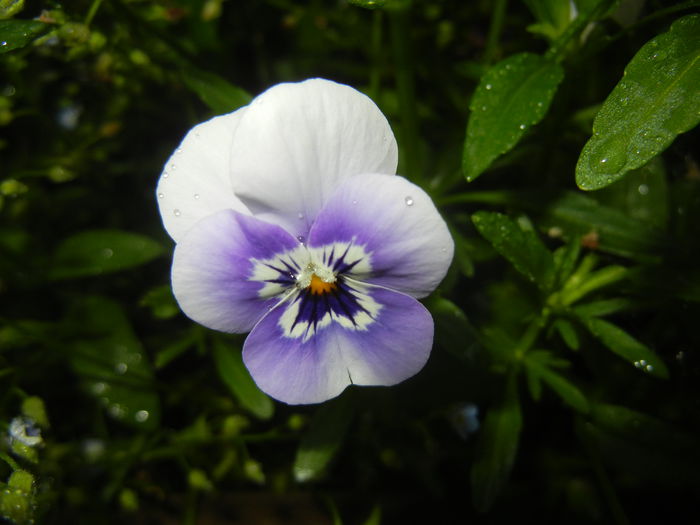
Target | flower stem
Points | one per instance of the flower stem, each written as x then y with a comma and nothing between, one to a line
399,27
495,30
375,72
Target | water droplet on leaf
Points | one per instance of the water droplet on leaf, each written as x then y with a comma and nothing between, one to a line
121,368
488,86
643,189
141,416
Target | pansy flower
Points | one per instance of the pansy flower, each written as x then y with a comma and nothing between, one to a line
290,224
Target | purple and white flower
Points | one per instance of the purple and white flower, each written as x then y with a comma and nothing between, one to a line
290,224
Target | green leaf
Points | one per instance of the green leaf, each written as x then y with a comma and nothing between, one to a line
567,332
626,346
591,282
216,92
576,214
453,331
111,362
497,447
15,34
657,99
553,17
522,248
603,307
323,438
98,252
565,258
229,364
368,4
512,96
538,364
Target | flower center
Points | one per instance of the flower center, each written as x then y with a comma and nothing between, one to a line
318,286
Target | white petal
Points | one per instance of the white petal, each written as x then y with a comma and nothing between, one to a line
297,142
195,181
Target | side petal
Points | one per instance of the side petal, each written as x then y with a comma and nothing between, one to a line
300,370
195,181
230,269
396,223
297,142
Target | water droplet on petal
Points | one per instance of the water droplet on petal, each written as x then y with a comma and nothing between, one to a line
197,134
141,416
160,195
354,202
301,239
300,216
173,167
409,201
165,174
196,196
176,212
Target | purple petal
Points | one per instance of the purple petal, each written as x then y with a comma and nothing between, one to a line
297,142
396,223
389,342
230,269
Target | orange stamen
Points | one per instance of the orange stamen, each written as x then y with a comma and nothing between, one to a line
320,287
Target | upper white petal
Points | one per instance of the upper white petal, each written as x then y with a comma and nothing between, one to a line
195,181
296,142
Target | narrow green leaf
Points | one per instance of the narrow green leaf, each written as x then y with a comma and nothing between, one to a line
111,363
229,364
537,365
98,252
512,96
375,517
453,331
15,34
216,92
567,332
323,438
368,4
603,307
565,258
591,282
522,248
497,447
657,99
626,346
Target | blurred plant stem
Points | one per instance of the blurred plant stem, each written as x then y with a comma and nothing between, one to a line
405,85
495,30
375,72
92,11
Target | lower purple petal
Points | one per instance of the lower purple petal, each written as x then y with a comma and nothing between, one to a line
300,368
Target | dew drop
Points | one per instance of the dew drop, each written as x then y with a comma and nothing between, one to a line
197,134
488,86
604,160
116,410
196,196
176,212
354,202
160,195
99,388
650,368
643,362
301,239
643,189
141,416
173,167
540,104
483,108
3,43
638,364
178,151
107,253
121,368
166,174
409,201
300,216
522,126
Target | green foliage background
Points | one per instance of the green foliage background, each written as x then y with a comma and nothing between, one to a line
563,385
